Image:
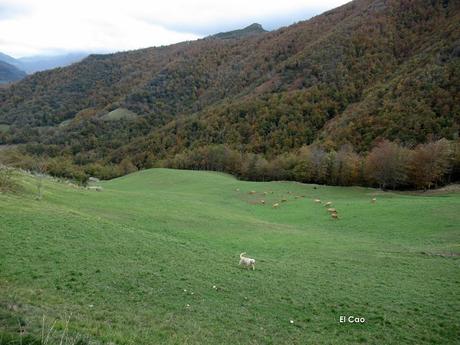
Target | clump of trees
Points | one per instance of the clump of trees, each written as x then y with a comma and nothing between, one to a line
387,165
423,167
430,163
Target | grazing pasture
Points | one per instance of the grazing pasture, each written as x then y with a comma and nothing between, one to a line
153,258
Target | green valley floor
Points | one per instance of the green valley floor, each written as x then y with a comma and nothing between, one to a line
153,259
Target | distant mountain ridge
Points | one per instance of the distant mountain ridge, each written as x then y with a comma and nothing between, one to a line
366,71
9,59
37,63
32,64
9,73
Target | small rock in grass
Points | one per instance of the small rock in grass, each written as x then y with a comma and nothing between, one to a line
291,321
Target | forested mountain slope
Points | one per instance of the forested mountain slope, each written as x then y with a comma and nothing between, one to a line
368,70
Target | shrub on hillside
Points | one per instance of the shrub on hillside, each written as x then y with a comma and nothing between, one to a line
7,183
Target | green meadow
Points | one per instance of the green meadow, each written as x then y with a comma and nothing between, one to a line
153,259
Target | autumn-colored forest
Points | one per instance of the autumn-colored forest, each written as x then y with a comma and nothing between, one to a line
367,93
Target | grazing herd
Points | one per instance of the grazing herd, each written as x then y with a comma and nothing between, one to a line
249,262
332,211
328,204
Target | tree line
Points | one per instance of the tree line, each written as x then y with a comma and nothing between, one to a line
387,165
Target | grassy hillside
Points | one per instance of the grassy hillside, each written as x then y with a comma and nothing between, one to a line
119,114
137,263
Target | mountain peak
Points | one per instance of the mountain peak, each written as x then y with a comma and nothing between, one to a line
253,29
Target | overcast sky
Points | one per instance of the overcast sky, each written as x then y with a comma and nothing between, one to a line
31,27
